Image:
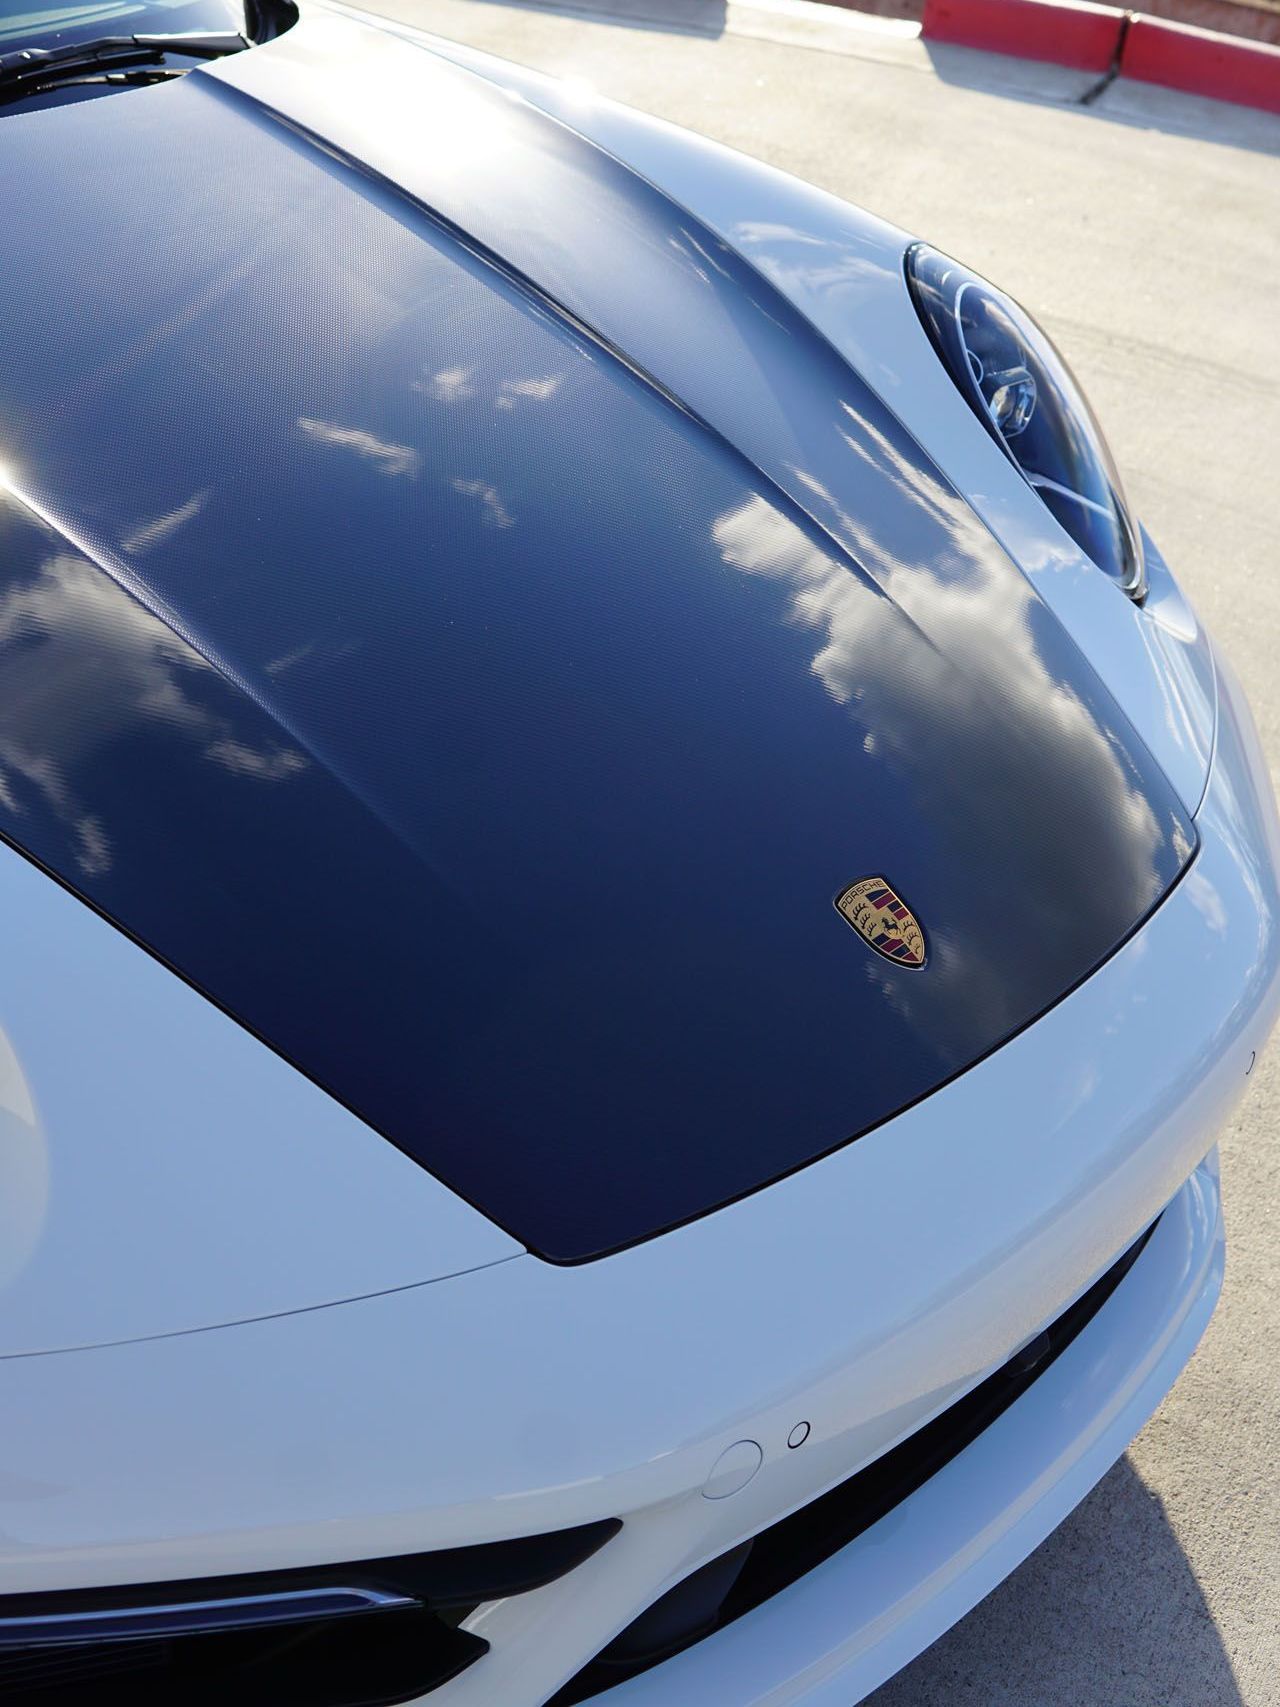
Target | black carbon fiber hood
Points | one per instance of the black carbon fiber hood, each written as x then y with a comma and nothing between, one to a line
466,623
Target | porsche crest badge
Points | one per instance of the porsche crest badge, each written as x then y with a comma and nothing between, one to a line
883,920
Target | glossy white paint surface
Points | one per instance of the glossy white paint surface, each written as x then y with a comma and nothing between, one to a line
842,268
181,1176
862,1295
161,1170
923,1567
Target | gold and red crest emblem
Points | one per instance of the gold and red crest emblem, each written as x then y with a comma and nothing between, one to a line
883,920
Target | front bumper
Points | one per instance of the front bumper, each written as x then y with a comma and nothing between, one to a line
864,1295
839,1632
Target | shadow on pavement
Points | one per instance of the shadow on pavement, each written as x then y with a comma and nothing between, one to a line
1118,100
1106,1613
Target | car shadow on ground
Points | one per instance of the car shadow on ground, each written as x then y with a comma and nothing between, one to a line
1107,1613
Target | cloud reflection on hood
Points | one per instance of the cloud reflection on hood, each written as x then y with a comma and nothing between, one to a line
82,666
868,656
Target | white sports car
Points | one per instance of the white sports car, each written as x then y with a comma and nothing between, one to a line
630,898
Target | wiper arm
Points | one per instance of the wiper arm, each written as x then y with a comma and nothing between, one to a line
120,79
33,68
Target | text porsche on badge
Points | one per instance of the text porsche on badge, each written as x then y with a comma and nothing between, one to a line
883,920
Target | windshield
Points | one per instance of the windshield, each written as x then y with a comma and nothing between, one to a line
21,25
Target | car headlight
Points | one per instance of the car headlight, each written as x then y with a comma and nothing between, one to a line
1022,391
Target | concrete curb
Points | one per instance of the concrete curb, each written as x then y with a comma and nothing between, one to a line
1202,62
1092,37
1063,32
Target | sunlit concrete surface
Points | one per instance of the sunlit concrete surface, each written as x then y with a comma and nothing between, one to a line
1144,230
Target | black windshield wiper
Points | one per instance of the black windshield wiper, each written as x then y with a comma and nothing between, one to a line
31,69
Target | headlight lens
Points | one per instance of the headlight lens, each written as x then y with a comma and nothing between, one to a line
1023,393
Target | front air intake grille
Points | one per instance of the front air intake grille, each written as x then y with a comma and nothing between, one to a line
757,1570
366,1662
365,1634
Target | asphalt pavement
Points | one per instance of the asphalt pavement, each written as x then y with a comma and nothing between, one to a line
1143,228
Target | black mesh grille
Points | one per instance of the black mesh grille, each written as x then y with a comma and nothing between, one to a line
362,1662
